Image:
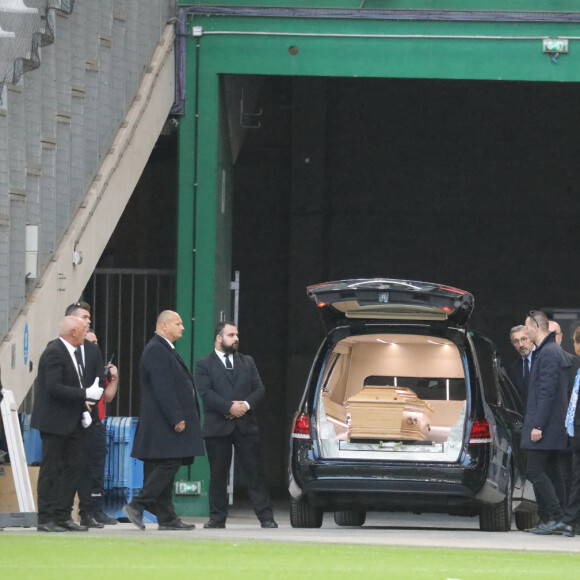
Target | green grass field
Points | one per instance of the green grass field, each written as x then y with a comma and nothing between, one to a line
43,557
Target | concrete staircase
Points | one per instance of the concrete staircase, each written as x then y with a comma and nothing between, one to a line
75,135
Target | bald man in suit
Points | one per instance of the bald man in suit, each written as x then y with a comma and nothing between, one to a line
59,402
169,430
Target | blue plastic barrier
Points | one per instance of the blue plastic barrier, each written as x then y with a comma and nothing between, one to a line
123,473
31,440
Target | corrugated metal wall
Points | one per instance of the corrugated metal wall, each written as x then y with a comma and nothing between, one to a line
57,124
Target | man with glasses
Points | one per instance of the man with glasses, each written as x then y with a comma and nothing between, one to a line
544,434
554,327
519,370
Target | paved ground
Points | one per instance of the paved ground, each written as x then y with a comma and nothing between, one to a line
394,529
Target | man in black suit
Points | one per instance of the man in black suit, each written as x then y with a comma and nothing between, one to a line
544,434
231,389
169,430
519,369
95,435
59,403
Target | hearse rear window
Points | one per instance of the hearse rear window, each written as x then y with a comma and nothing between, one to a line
381,391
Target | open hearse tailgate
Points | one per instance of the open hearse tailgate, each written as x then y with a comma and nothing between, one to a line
386,299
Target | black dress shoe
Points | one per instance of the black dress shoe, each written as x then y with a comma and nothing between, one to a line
543,529
176,524
134,516
72,526
90,522
564,529
214,524
269,524
105,519
49,527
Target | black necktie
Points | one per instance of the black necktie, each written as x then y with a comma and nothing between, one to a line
79,357
228,362
526,370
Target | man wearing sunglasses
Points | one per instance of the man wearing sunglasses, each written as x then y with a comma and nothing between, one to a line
544,434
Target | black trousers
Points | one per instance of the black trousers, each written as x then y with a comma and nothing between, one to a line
59,475
572,512
156,494
566,466
219,454
544,471
92,479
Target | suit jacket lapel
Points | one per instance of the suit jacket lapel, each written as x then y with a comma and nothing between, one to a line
179,360
85,365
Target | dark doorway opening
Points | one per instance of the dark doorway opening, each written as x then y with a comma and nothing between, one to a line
469,183
135,277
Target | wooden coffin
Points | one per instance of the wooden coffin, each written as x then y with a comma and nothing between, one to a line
388,413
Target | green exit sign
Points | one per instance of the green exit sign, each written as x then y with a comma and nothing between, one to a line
187,488
556,45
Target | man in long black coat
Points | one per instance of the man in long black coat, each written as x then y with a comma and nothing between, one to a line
544,433
231,389
169,431
59,402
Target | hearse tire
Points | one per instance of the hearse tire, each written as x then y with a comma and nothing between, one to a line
496,517
350,517
304,515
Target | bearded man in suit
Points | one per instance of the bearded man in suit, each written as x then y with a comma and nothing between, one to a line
59,402
231,390
169,430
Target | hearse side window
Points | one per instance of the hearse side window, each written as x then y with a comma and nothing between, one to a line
510,397
486,359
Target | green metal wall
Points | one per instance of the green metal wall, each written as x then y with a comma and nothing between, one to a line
311,45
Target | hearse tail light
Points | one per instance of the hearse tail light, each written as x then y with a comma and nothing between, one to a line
321,304
480,432
301,427
447,309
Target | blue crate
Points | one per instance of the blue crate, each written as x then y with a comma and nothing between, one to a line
124,474
31,440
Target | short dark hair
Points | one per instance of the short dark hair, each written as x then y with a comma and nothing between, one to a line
540,319
220,326
72,308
